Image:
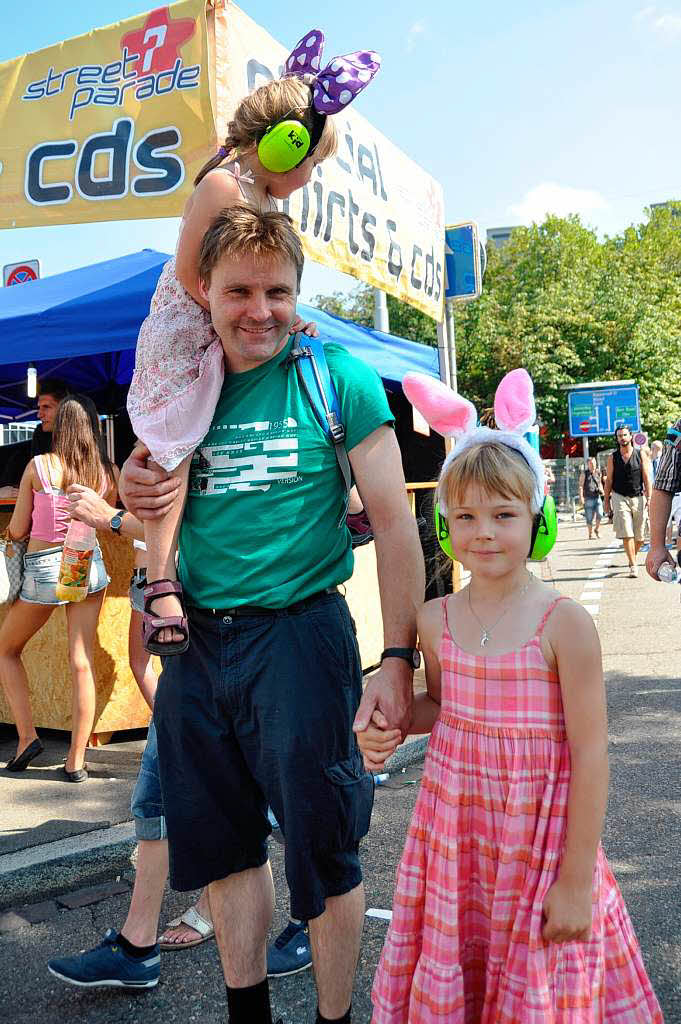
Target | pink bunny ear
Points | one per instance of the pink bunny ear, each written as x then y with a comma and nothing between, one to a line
514,408
446,412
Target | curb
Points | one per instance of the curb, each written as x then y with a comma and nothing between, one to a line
51,869
410,753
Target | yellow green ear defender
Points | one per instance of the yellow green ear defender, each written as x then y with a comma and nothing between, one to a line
287,142
542,539
284,145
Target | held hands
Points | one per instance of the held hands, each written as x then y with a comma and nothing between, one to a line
377,742
299,326
567,912
390,691
147,491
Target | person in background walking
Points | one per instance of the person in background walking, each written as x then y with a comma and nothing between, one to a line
591,495
628,487
664,505
655,455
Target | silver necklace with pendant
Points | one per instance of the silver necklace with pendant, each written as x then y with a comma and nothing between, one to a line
486,631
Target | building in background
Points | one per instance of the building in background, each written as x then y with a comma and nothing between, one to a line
499,237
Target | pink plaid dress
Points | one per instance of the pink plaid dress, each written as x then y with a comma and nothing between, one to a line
483,847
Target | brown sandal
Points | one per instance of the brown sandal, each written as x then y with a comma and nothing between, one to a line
153,624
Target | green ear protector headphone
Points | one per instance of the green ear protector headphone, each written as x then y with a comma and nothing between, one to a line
288,141
542,539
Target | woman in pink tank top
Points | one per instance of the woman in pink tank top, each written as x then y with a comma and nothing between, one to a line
42,512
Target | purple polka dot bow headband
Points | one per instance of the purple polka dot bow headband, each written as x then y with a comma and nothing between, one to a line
343,78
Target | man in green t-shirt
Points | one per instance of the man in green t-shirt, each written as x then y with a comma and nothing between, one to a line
260,709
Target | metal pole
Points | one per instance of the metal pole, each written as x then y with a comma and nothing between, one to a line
109,434
585,450
442,352
381,319
451,343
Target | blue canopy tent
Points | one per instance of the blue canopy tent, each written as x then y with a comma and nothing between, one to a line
82,325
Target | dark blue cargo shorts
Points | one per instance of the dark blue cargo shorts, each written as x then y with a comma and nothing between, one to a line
259,711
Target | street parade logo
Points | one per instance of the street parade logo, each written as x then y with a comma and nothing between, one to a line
150,66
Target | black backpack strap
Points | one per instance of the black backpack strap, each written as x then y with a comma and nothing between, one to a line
314,378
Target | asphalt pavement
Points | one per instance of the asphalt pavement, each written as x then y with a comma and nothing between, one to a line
65,851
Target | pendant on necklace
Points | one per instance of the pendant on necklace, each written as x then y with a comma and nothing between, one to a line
484,638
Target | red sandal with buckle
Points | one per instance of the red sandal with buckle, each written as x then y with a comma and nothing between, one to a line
153,624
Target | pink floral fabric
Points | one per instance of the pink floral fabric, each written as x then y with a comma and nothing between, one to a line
179,371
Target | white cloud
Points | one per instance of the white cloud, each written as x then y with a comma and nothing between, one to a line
561,200
416,30
666,23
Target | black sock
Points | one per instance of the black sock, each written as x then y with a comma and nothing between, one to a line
138,952
345,1019
249,1005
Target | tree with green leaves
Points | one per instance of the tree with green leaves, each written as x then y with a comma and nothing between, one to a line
571,308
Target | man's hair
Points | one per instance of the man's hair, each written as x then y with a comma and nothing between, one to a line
490,468
240,231
622,427
59,389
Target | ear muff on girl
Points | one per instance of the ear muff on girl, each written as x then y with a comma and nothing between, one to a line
543,537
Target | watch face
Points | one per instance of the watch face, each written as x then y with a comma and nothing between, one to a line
116,523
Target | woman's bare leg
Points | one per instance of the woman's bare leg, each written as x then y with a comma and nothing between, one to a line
23,621
140,660
81,619
160,536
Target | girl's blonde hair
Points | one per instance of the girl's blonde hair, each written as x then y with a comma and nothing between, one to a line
491,468
262,108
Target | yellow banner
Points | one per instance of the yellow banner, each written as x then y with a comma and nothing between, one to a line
112,125
370,211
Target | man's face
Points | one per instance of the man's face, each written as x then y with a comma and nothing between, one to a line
47,410
252,305
624,437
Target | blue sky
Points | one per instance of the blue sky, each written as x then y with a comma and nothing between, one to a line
515,109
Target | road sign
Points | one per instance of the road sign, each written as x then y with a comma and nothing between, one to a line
20,273
601,409
463,262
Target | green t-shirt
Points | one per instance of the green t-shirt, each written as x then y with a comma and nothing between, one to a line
265,491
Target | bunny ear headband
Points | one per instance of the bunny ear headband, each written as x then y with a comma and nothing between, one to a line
336,85
453,416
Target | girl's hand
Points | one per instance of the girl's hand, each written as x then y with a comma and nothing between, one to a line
567,912
377,742
299,325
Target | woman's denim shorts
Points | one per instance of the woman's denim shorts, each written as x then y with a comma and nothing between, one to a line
41,572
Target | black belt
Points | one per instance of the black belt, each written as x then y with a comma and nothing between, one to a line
253,609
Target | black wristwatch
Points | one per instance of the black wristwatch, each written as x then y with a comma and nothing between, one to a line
409,654
117,522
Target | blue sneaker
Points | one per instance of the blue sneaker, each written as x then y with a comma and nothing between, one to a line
108,966
290,951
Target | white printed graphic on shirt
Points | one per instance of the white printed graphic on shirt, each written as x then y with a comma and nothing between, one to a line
270,455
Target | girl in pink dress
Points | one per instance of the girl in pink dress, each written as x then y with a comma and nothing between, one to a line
505,907
179,369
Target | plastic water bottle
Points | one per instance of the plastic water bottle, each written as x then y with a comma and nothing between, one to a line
667,573
76,560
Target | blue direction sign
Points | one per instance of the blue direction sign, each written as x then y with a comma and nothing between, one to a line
600,410
463,262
